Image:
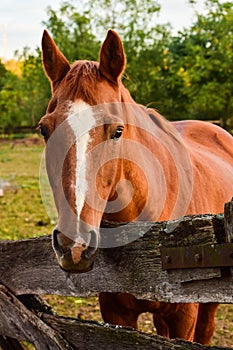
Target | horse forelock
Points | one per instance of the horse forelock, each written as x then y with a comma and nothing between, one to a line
81,81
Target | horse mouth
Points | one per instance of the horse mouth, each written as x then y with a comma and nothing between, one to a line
66,263
67,260
77,269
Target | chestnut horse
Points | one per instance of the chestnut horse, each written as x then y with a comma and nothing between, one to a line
169,170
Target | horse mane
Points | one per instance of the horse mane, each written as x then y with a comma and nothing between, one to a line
163,124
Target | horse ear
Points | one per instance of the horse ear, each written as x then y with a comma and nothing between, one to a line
112,57
55,64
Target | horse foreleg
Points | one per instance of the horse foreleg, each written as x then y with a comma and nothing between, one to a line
118,309
176,320
205,323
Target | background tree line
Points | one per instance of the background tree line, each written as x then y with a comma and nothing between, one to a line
183,76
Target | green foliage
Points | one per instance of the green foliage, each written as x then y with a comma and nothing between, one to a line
72,32
73,28
36,86
198,79
210,45
23,98
189,75
3,72
10,100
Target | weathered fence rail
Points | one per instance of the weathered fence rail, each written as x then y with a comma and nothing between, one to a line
28,267
50,332
18,129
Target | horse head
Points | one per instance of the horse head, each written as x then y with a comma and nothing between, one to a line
79,130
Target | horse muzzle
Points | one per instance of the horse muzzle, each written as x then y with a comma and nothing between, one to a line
75,256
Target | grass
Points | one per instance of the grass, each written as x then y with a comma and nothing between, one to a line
22,215
22,212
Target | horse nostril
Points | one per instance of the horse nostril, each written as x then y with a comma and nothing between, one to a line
80,251
92,247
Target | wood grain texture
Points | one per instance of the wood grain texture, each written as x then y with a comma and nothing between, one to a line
30,267
228,221
51,332
85,335
20,323
228,224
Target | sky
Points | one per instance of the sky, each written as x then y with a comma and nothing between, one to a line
21,21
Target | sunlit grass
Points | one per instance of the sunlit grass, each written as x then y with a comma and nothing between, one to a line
22,213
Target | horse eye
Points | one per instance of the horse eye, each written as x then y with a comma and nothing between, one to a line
117,133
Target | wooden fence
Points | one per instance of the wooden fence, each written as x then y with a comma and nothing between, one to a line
28,268
18,129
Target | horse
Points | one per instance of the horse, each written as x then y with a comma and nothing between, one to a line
109,158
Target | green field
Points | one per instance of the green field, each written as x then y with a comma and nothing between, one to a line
22,215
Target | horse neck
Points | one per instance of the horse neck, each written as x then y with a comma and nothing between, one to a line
159,150
153,122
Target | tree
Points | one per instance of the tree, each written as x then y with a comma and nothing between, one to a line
184,76
212,72
35,87
204,54
23,97
11,98
3,72
72,32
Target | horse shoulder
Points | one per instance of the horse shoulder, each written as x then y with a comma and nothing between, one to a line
211,153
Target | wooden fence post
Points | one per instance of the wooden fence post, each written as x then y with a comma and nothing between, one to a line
228,223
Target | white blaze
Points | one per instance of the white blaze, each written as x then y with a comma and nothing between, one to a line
81,120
